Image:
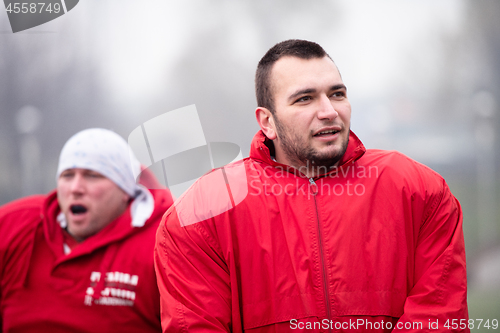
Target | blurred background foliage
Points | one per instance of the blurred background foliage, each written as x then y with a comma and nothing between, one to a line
423,78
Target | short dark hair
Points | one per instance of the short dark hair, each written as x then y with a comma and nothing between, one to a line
302,49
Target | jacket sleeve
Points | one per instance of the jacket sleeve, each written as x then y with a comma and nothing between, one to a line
193,278
438,293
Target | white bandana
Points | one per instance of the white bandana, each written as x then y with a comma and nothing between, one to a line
108,153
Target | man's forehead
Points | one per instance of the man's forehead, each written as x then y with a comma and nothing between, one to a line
299,63
293,73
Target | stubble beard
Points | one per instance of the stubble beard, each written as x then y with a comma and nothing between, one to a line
303,156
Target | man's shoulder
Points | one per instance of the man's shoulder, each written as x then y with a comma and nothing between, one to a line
396,159
401,168
215,193
26,205
19,217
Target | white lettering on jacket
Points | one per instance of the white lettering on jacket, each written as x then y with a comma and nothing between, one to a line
118,289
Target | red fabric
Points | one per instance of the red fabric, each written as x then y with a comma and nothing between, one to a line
106,284
148,179
69,240
372,246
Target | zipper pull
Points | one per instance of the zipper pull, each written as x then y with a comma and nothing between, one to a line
313,186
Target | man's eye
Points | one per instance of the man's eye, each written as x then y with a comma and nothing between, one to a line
338,94
303,99
94,175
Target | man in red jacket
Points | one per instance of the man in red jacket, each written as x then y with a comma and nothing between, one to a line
312,232
80,258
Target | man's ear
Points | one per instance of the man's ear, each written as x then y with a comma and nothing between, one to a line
266,122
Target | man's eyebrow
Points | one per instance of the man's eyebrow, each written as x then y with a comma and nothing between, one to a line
338,87
311,90
301,92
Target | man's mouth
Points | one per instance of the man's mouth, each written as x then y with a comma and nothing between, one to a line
78,209
325,133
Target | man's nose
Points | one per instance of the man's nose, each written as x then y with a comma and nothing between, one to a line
326,109
78,184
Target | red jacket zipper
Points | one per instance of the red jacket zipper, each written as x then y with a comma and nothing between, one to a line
314,189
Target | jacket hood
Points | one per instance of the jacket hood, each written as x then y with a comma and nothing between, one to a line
262,147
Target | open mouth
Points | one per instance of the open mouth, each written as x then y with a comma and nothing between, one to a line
78,209
326,133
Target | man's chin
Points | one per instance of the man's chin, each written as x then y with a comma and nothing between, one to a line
77,221
78,234
77,226
329,153
328,156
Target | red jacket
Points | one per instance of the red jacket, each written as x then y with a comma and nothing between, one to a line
375,245
106,284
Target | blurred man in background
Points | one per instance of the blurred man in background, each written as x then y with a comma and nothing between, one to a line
330,236
80,258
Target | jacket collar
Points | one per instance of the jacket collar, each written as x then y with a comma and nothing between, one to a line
262,146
